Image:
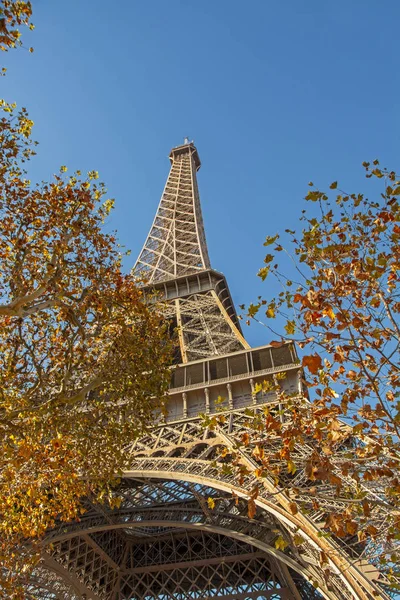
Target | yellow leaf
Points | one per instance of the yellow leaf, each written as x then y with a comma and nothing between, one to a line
263,273
329,313
280,543
108,205
290,327
211,503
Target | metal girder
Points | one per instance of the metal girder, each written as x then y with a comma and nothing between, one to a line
63,585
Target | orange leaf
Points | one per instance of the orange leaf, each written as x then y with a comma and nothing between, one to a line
313,362
251,509
258,452
245,439
275,344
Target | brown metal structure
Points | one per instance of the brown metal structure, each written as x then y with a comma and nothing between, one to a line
175,260
164,541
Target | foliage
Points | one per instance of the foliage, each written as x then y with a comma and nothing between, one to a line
13,13
83,358
341,304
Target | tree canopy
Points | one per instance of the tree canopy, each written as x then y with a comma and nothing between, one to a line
340,303
13,14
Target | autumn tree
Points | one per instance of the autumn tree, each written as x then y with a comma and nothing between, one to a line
83,358
340,303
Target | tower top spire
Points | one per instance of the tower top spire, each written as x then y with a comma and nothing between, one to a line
176,244
187,148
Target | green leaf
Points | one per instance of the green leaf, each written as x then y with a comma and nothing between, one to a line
314,196
271,239
253,310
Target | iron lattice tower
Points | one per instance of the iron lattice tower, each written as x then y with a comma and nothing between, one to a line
164,541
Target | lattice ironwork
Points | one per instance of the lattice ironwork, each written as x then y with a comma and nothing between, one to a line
49,585
166,526
164,541
203,327
176,244
245,576
176,250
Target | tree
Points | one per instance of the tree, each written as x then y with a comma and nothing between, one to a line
340,302
83,357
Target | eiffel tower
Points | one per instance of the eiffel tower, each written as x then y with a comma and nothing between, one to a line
165,541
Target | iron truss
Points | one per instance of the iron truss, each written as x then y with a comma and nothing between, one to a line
165,541
176,244
176,249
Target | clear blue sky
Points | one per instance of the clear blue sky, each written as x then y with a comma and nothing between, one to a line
274,93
